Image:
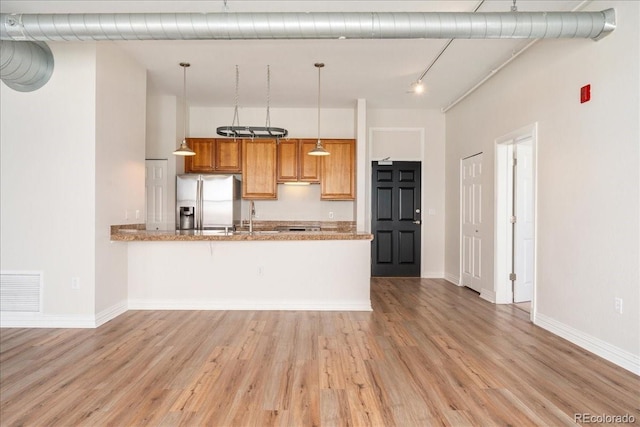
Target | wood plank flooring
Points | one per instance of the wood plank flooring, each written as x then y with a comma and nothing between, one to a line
429,354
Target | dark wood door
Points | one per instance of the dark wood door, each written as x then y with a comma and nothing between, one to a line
396,219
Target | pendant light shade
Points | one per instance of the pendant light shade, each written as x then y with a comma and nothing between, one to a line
319,149
183,149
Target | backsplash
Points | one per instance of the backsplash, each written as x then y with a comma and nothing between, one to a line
300,203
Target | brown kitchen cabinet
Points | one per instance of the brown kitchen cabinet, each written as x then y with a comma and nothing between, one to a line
338,170
259,169
214,155
293,162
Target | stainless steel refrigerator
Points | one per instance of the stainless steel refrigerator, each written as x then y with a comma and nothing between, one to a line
205,202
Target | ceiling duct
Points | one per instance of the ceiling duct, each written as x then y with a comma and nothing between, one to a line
330,25
25,66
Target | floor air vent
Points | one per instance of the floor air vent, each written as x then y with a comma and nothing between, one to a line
20,291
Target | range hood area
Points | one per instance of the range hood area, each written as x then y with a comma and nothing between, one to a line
27,62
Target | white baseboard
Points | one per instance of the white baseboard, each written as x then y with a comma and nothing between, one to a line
488,295
433,275
613,354
111,313
39,320
452,278
247,305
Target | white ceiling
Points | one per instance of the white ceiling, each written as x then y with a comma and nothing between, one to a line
380,71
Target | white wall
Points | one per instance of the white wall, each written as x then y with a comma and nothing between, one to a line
72,165
119,167
47,138
392,130
588,162
300,122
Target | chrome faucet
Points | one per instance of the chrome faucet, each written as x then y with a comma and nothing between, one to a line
252,213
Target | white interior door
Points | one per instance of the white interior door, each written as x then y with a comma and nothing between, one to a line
471,222
523,236
156,194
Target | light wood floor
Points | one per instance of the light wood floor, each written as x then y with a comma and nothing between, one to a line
429,354
526,306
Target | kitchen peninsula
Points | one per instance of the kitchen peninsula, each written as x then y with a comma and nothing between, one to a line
263,270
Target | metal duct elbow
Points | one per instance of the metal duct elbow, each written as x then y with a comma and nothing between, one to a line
25,66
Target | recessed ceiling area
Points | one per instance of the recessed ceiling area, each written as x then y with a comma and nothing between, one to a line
380,71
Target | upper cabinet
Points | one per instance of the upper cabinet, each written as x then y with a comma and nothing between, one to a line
294,164
338,170
264,163
204,160
259,169
309,165
228,156
214,155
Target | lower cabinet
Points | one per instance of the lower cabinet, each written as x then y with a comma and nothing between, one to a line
259,169
338,170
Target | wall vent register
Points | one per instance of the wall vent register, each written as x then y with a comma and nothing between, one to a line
20,292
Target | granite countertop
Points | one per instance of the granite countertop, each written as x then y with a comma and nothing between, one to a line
137,233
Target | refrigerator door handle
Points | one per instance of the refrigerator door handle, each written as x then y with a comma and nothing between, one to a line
199,205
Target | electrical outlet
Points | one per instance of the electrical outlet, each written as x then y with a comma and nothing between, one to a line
126,214
330,215
618,305
75,283
260,271
137,213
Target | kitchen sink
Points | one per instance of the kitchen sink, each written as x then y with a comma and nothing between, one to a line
257,232
298,228
128,230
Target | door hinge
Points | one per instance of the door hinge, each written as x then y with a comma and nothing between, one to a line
513,219
515,162
512,277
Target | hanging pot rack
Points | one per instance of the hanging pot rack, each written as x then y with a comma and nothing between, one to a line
253,132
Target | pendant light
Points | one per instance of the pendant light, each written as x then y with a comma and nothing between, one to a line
319,149
183,149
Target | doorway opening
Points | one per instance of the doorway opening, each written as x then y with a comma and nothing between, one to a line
515,227
396,219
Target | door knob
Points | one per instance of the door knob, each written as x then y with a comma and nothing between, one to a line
417,222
